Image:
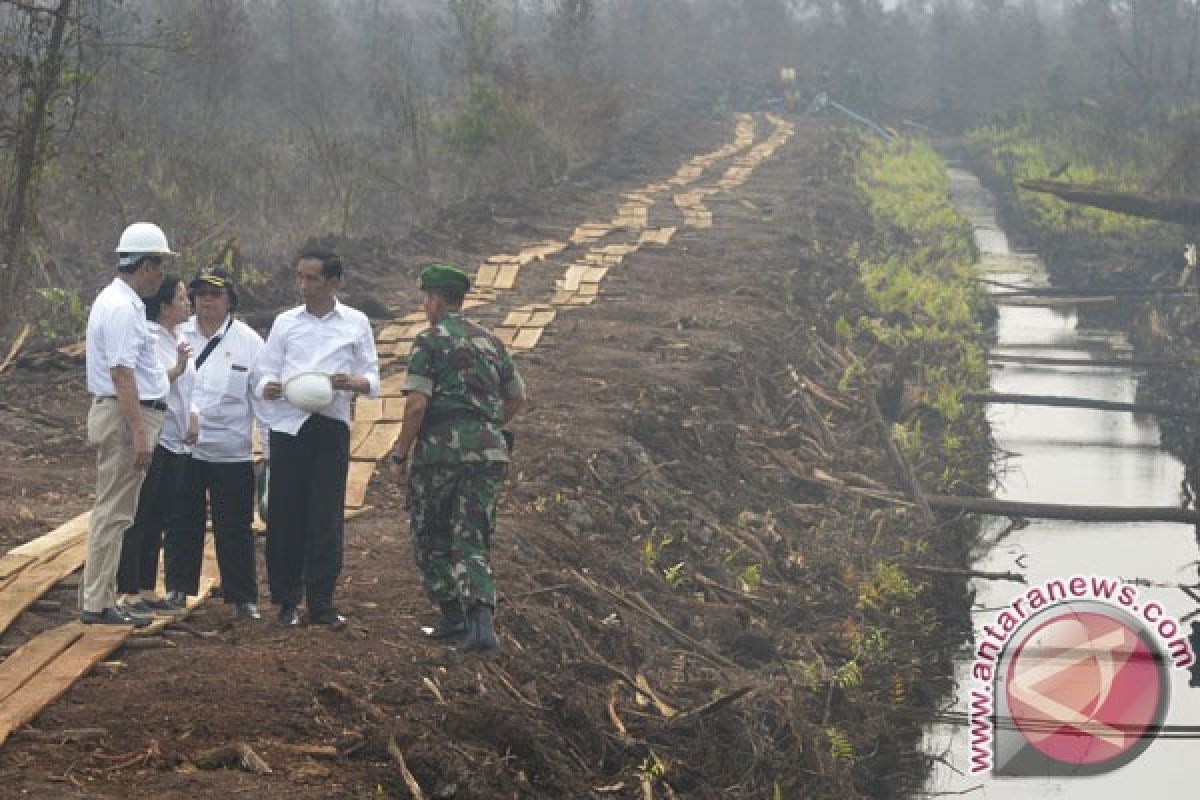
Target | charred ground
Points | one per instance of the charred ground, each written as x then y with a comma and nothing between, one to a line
697,552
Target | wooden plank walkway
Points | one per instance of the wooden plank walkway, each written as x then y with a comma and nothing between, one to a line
47,665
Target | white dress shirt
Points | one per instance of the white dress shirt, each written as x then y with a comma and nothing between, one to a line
224,393
118,335
179,400
340,341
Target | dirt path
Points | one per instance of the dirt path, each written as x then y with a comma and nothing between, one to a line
695,513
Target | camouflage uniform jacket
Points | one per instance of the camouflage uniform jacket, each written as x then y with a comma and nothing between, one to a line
467,374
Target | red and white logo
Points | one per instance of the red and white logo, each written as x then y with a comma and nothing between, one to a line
1085,687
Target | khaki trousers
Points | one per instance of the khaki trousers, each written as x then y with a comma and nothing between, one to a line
118,482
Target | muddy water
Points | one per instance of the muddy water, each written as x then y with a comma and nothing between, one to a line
1061,455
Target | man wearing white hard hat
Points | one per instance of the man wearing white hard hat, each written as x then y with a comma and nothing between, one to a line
220,469
317,357
129,387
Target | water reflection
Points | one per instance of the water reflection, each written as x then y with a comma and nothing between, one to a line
1061,455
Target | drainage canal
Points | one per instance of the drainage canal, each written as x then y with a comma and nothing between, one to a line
1051,665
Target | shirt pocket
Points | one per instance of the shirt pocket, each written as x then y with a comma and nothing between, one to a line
236,383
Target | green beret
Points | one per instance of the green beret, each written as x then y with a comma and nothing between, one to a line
444,276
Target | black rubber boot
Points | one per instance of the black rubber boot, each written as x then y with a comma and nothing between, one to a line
481,636
453,622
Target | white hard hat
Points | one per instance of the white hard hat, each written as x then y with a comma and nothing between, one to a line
144,237
309,391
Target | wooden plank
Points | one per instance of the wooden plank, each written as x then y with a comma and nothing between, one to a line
505,333
570,279
593,275
31,657
360,430
393,409
54,541
415,328
402,349
357,481
94,645
545,249
562,297
33,582
507,277
540,319
368,409
661,237
517,318
380,441
392,384
12,563
589,289
391,333
527,338
486,275
589,231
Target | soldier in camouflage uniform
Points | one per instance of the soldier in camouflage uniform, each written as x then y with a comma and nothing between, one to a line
461,388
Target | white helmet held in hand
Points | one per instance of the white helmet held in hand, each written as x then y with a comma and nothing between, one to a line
309,391
144,238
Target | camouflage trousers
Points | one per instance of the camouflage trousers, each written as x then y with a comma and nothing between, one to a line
453,509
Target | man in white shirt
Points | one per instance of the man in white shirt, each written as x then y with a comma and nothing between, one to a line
310,452
220,469
129,388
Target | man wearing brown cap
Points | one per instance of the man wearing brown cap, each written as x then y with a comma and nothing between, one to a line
462,387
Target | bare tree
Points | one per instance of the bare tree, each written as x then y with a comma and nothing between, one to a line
42,67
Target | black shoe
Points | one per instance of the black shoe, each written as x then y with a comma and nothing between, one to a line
481,636
329,617
452,624
160,606
112,616
138,606
246,611
289,616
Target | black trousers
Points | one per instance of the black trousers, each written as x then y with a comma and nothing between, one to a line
230,489
156,505
306,512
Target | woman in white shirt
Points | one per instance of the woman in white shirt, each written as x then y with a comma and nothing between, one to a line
137,575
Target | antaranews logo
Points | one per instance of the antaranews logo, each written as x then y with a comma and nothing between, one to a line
1071,678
